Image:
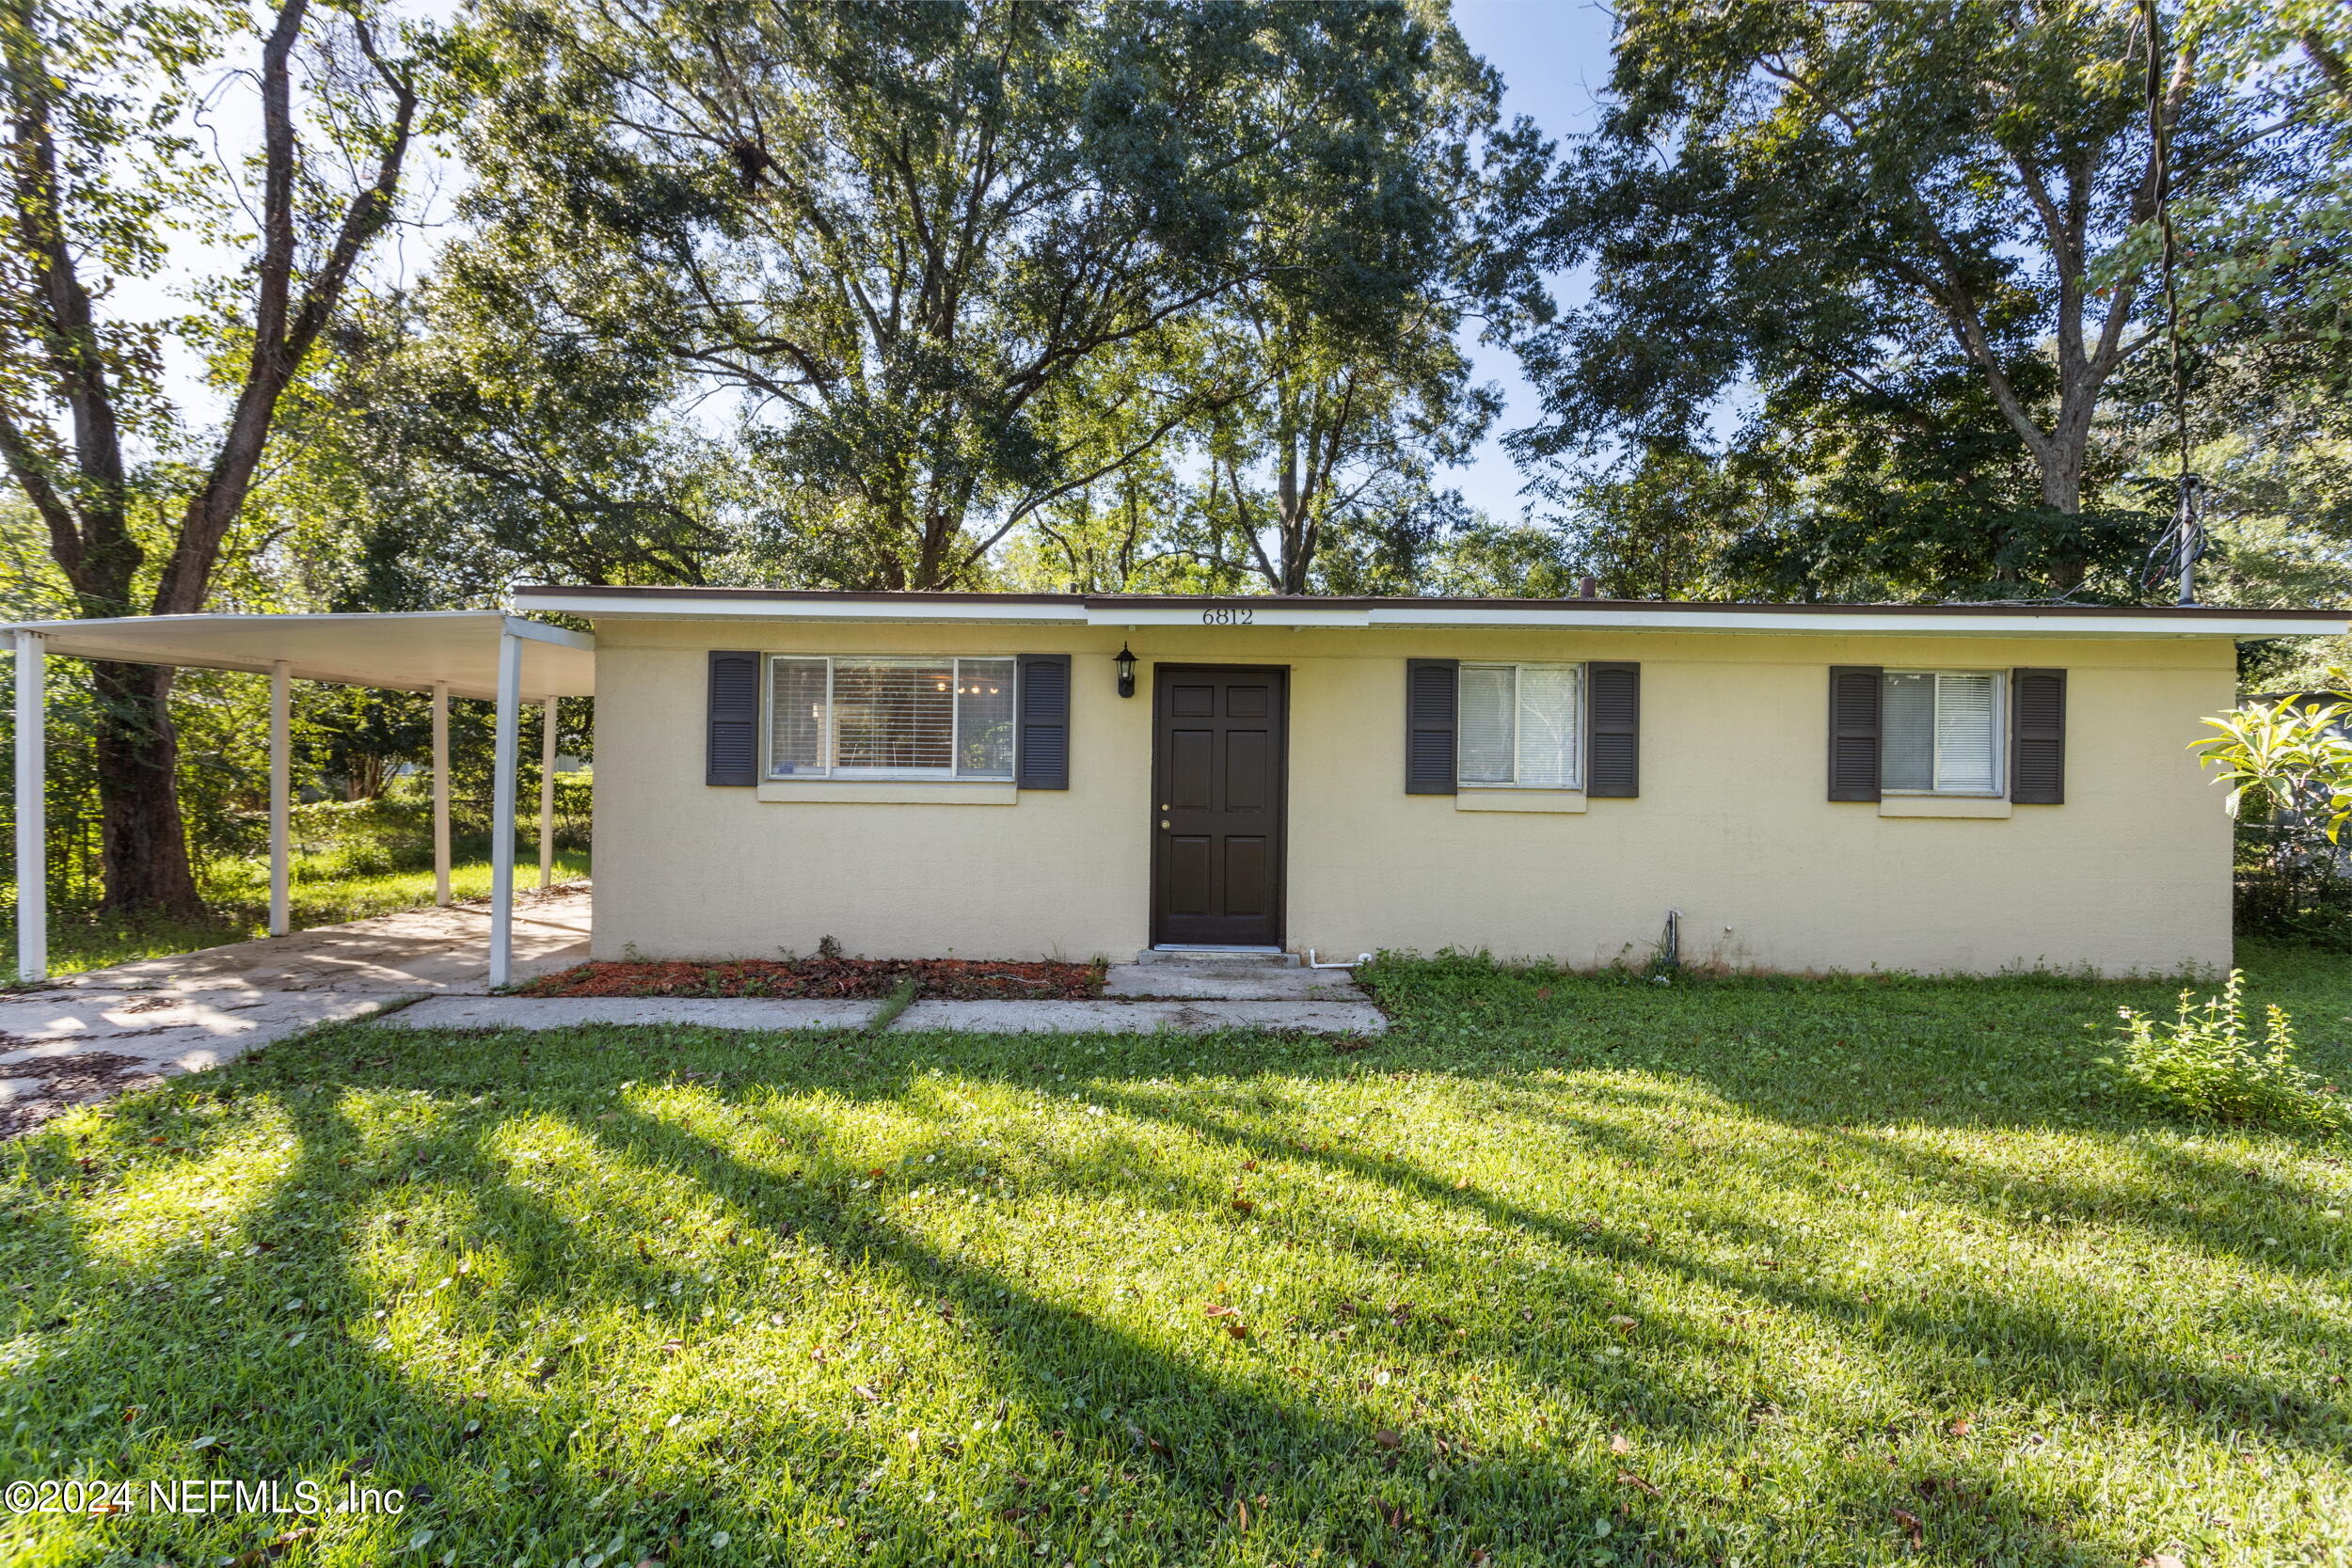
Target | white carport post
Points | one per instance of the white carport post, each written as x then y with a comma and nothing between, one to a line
440,793
32,809
546,796
280,789
510,686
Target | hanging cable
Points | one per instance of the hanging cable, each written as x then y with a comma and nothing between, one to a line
2176,551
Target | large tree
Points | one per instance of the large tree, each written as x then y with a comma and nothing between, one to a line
110,155
892,240
1940,212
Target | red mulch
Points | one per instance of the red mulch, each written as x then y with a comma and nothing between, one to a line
961,978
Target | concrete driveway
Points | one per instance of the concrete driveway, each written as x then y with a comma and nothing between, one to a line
83,1036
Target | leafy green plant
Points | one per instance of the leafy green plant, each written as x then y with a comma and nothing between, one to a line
2205,1064
2291,757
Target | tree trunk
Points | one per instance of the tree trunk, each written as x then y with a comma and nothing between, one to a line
144,848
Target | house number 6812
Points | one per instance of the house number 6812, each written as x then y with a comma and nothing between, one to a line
1228,617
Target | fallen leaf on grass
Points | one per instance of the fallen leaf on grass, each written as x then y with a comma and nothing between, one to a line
1388,1438
1221,1310
1911,1526
1959,1427
2161,1559
1627,1478
862,1391
1620,1444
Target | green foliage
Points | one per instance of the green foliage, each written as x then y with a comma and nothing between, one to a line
927,265
1914,242
2285,759
2205,1064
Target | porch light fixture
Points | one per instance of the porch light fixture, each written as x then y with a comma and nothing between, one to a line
1126,672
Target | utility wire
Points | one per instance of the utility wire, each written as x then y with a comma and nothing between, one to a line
2185,538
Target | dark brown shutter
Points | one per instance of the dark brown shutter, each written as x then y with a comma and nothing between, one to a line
731,746
2037,737
1855,696
1431,697
1613,729
1042,747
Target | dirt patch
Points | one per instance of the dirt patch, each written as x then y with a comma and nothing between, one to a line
66,1081
957,979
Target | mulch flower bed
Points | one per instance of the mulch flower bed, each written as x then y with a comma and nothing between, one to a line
960,978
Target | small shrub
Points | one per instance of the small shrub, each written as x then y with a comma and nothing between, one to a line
2203,1064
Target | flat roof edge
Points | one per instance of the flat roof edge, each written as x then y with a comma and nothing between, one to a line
1301,611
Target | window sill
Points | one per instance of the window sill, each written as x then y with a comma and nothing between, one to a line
1519,799
893,792
1943,805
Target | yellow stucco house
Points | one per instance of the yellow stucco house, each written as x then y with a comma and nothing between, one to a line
1803,787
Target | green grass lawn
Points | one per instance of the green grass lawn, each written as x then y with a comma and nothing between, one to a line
321,890
1563,1271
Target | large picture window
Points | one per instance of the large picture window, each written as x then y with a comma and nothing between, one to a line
889,718
1942,732
1522,725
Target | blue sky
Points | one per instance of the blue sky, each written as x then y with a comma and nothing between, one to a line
1554,59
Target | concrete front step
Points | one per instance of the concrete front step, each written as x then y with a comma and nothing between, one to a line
1230,982
1223,957
1139,1018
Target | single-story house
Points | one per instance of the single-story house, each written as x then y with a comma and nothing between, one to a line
1795,787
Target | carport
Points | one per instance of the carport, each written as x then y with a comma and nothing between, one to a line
483,654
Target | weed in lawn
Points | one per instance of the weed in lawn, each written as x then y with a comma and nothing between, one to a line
2205,1064
1561,1271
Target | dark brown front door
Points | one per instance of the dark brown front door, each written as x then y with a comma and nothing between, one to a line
1219,742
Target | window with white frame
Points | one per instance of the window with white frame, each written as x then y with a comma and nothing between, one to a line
889,718
1522,725
1941,733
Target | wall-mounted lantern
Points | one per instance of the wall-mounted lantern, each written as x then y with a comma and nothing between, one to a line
1126,672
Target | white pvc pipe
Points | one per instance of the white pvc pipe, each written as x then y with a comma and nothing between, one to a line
281,787
546,796
32,808
503,811
440,793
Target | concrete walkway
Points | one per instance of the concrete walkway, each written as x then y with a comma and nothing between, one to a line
83,1036
1191,997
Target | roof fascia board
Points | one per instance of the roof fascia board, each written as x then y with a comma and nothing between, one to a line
2021,623
1227,613
1883,623
685,608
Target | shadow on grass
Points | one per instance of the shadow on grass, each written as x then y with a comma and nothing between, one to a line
642,1246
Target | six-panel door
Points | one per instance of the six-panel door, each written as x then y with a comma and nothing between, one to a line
1217,777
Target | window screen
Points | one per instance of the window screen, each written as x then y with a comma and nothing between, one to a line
1941,733
796,715
936,718
1522,724
984,718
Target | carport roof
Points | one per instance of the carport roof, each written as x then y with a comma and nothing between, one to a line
408,651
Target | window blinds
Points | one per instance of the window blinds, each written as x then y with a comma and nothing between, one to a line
1942,732
935,717
1522,724
1489,701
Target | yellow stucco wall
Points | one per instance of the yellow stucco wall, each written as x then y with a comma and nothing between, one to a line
2131,874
